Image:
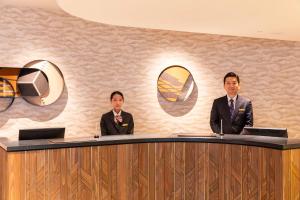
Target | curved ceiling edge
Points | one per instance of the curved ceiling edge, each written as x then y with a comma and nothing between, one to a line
228,17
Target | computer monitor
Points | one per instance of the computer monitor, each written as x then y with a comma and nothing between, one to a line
273,132
41,133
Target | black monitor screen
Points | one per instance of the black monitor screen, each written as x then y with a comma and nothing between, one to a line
273,132
42,133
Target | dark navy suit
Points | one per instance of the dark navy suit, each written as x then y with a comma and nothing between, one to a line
110,127
243,115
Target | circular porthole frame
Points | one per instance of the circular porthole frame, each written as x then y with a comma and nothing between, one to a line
166,70
56,84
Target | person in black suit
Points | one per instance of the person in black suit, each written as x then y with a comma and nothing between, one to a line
234,110
117,121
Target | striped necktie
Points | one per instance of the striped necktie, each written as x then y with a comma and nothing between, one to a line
231,108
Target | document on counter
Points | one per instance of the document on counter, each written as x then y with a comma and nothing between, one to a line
196,135
72,140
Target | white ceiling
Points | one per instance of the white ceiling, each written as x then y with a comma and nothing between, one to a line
273,19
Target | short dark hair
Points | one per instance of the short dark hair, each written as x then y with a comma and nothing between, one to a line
116,92
232,74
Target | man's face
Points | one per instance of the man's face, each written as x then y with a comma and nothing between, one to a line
231,86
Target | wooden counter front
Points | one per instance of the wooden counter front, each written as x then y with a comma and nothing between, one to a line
173,170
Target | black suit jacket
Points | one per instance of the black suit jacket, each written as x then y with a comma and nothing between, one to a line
109,127
243,115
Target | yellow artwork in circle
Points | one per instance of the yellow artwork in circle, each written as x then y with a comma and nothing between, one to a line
175,83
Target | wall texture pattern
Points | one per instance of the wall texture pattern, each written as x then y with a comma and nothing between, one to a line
97,59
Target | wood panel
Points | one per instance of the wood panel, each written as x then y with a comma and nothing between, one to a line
169,160
251,174
35,168
227,172
16,177
214,178
295,174
200,159
96,165
3,174
73,167
286,159
143,172
236,169
55,173
193,171
85,173
124,172
190,170
151,171
159,171
264,178
179,171
279,174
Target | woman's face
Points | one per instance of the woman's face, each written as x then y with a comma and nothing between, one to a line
117,102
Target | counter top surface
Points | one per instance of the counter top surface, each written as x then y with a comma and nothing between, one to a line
250,140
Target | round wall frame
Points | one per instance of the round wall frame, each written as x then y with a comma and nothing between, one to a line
44,85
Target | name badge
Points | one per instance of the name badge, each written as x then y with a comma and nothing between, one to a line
124,124
242,110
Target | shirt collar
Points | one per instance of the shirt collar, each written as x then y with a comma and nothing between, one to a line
234,98
117,113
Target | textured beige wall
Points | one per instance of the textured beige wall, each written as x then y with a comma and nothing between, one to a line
97,59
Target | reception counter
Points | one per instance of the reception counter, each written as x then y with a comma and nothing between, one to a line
151,167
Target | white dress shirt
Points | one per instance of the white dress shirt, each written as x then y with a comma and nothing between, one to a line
234,100
117,113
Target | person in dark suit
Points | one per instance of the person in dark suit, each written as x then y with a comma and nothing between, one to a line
234,110
117,121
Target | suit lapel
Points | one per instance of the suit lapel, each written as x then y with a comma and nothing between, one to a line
237,106
123,116
226,108
112,118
